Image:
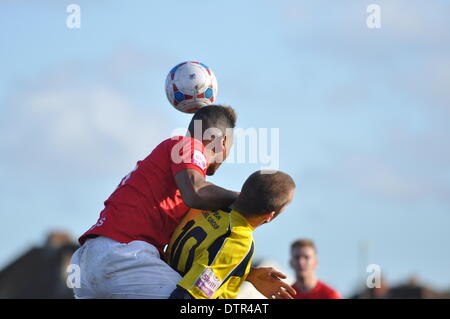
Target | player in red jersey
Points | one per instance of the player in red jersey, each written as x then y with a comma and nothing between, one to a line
121,255
304,262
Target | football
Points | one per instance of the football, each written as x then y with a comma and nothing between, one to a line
190,86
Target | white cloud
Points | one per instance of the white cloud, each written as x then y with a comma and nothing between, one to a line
67,125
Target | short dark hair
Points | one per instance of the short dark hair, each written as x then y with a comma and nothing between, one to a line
264,192
214,116
304,242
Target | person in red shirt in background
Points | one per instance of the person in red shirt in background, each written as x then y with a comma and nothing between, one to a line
304,262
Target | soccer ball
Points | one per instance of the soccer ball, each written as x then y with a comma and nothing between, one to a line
190,86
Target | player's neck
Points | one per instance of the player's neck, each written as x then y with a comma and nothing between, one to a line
306,284
252,221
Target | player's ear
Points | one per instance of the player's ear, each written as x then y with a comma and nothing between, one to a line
224,141
216,144
270,216
219,143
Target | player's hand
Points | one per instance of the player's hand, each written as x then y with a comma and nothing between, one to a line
268,281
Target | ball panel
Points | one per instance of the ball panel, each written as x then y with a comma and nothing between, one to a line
190,86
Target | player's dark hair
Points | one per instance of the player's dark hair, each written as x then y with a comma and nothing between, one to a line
304,242
263,193
214,116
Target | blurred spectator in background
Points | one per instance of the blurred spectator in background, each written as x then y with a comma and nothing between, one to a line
41,271
411,289
381,292
304,262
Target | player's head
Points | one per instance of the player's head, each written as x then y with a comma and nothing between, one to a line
304,258
264,196
213,125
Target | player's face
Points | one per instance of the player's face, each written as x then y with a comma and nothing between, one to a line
304,261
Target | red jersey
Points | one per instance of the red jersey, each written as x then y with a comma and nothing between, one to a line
147,204
320,291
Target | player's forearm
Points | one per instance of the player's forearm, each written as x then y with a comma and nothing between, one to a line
212,197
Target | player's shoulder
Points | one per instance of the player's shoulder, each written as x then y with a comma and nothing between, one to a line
239,220
187,146
324,287
163,147
184,141
170,142
328,290
215,222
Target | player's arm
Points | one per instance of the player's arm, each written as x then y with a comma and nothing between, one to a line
200,194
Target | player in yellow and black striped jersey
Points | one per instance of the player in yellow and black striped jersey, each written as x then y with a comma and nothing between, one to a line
213,250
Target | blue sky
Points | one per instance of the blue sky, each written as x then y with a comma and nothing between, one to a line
363,118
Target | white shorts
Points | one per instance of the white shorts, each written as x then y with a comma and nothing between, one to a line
109,269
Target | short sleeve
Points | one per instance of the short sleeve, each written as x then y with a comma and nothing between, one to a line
187,153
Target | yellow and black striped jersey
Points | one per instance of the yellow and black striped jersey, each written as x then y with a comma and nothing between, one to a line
212,251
